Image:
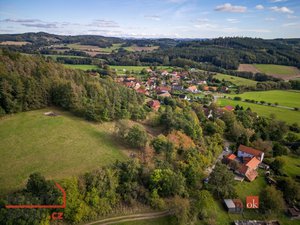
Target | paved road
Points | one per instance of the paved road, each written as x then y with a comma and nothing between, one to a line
134,217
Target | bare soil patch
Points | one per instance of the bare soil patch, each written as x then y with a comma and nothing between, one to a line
248,68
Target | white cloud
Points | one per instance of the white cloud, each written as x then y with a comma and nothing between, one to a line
275,1
270,19
282,9
259,7
227,7
232,20
205,24
104,23
152,17
290,24
292,17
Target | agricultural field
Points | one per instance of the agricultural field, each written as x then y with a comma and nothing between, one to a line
120,70
238,81
58,147
16,43
287,115
135,48
283,98
66,56
81,67
278,71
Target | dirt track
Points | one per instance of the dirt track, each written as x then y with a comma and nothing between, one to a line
134,217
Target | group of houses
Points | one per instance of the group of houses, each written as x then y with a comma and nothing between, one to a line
163,83
245,163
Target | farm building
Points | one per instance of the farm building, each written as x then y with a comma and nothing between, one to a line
244,151
234,205
246,163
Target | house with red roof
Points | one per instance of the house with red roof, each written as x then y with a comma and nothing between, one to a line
244,151
246,163
154,104
192,89
228,108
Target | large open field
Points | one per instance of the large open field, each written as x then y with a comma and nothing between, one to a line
238,81
279,71
284,98
286,115
81,67
57,147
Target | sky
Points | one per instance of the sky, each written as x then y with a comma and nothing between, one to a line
154,18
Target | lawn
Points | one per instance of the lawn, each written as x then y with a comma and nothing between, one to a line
81,67
292,165
276,69
135,69
286,115
284,98
238,81
57,147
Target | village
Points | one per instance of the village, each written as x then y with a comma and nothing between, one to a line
190,85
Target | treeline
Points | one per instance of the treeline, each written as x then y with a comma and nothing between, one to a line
28,83
225,53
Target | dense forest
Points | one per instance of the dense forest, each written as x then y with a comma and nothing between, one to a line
171,172
31,82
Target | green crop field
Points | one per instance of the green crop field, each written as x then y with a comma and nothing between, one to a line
81,67
238,81
287,115
276,69
135,69
57,147
284,98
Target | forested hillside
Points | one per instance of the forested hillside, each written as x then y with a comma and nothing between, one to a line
226,53
28,82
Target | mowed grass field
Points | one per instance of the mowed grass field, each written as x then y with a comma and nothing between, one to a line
276,69
58,147
284,98
121,70
238,81
81,67
287,115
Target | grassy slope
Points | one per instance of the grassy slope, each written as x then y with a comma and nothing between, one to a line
285,98
292,165
236,80
276,69
81,67
287,115
55,146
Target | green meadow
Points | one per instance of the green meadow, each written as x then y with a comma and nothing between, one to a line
81,67
287,115
57,147
276,69
238,81
284,98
